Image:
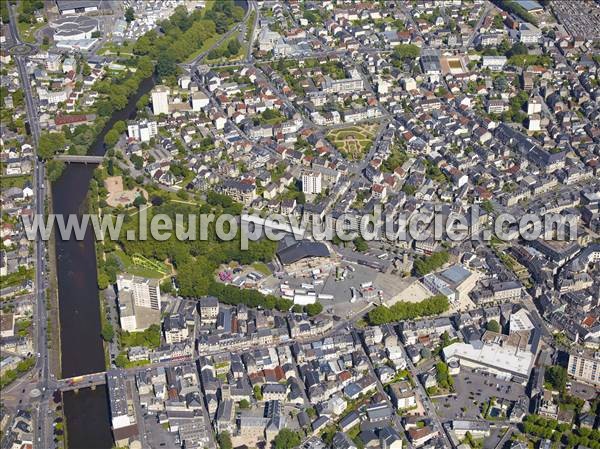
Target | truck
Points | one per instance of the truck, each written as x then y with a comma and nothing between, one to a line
74,380
325,296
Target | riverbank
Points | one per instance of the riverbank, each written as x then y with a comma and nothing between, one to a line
82,347
80,314
52,304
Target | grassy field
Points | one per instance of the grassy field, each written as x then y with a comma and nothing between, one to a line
205,46
27,31
353,141
124,51
223,47
14,181
261,268
137,270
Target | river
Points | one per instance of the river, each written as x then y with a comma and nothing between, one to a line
86,412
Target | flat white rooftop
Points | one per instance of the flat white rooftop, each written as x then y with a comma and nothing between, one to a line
492,357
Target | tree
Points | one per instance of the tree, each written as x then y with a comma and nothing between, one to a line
120,126
487,206
214,54
426,264
405,52
111,138
557,377
224,440
258,393
493,326
166,66
103,280
138,161
129,15
108,333
313,309
121,361
86,70
445,337
517,49
233,47
55,169
408,310
286,439
360,244
498,22
140,200
244,404
50,143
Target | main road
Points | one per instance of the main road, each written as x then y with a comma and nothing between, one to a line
42,437
427,403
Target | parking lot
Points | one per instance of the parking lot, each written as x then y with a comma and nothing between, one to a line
582,390
473,391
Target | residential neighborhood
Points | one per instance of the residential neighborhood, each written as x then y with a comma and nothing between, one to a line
470,129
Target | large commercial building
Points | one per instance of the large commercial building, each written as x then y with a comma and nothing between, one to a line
585,366
74,28
452,282
66,7
160,100
500,360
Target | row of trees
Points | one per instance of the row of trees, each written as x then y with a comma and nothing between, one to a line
11,375
230,50
443,377
561,432
427,264
408,310
309,309
184,33
229,294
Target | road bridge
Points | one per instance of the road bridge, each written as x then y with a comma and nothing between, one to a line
84,381
71,158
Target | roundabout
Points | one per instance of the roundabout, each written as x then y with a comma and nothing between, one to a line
22,50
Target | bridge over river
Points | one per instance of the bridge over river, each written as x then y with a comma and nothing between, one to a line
84,159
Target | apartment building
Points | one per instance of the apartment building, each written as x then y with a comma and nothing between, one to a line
311,182
585,366
146,292
142,131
